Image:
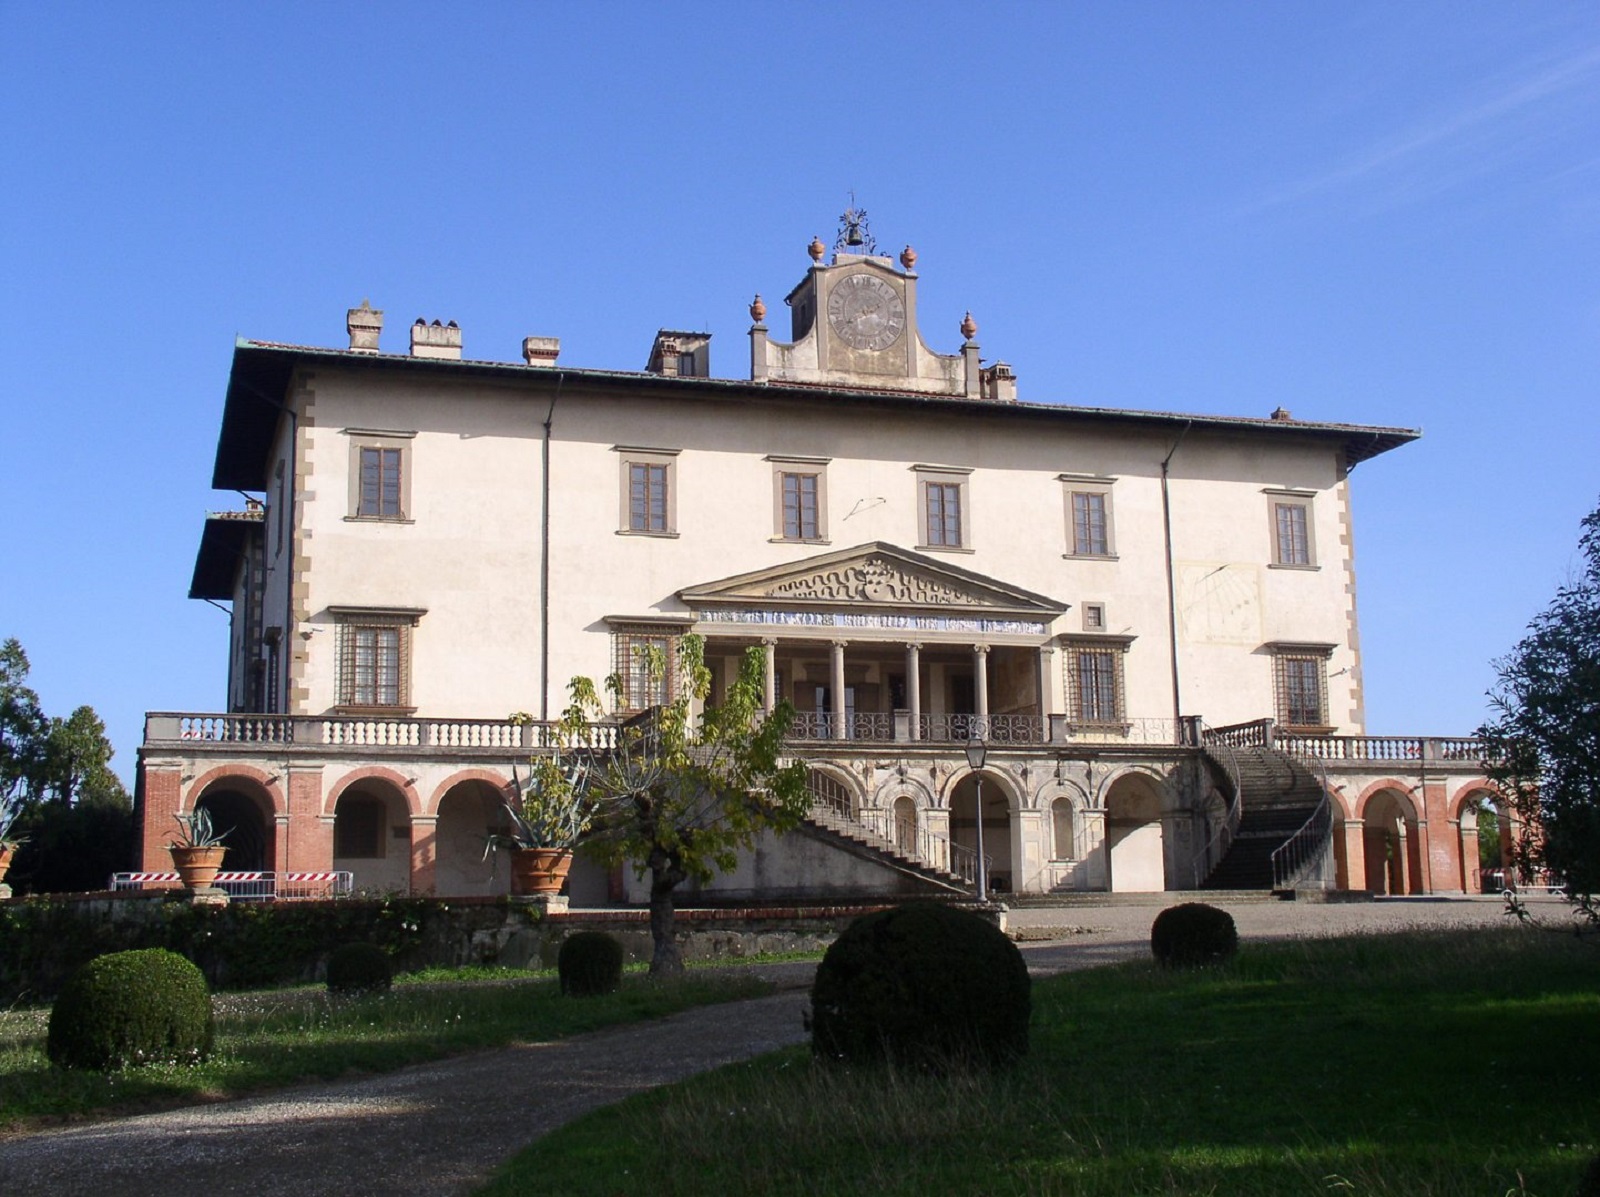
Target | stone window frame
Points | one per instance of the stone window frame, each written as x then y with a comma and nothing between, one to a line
784,465
1283,500
1311,658
630,456
350,623
958,477
1100,485
1115,650
362,441
1095,618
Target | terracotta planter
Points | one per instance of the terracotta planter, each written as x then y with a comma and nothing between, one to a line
5,858
540,870
198,867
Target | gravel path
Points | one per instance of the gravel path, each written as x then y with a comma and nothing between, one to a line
442,1128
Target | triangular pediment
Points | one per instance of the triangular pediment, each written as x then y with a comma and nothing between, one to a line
874,575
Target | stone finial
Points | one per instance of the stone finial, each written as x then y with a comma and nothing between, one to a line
758,310
436,340
541,351
1281,413
816,249
908,259
969,327
363,324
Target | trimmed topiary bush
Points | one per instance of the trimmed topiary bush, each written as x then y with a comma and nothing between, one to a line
359,968
1193,934
590,963
139,1007
922,986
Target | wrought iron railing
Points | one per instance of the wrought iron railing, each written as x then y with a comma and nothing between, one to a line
996,729
1221,752
833,800
1309,851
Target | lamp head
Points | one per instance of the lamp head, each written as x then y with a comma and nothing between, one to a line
977,753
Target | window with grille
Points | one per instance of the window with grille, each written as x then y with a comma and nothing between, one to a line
644,661
1302,690
800,507
1094,683
375,659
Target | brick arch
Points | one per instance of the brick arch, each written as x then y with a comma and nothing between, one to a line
1336,802
498,781
1472,789
408,792
1387,784
261,785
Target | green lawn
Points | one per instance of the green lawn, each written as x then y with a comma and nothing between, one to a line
282,1036
1413,1065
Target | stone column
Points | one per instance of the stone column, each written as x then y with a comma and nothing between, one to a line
1355,854
841,717
914,687
1046,683
424,853
980,685
769,676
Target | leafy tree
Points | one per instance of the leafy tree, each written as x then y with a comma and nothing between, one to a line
1542,745
23,726
77,760
678,796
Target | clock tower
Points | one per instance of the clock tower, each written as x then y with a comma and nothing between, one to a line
854,323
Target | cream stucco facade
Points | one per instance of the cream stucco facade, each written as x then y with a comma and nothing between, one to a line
443,541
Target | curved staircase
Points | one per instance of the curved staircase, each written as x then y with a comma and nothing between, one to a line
1281,810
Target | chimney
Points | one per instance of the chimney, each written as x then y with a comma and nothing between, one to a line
363,324
999,383
541,351
436,340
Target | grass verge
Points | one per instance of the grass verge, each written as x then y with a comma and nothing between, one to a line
283,1036
1421,1065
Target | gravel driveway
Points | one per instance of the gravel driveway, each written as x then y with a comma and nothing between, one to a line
442,1128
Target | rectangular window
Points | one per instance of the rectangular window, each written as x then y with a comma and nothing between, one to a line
649,483
374,650
380,484
1089,517
645,664
380,474
1094,682
1089,525
647,498
1294,546
800,507
944,514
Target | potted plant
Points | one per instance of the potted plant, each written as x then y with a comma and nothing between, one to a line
547,816
197,853
10,811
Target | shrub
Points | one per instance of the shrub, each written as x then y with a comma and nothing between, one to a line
1192,934
359,968
923,986
590,963
1589,1183
137,1007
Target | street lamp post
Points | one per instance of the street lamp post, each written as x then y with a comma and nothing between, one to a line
977,755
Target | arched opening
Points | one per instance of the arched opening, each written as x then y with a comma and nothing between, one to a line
244,819
372,837
467,813
1391,845
1485,844
1135,841
831,794
996,827
905,824
1063,831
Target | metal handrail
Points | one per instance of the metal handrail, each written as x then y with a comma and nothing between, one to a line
1310,844
1219,750
923,846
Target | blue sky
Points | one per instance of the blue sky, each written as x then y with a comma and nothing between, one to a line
1369,212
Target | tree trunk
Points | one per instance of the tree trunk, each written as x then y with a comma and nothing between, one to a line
665,874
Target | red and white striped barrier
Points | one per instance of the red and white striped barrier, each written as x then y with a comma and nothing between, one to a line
255,883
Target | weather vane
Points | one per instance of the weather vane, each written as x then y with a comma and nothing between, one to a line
854,236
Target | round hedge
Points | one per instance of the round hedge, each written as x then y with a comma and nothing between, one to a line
589,964
923,986
359,968
140,1007
1193,934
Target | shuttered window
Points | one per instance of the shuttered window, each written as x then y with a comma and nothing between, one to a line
1294,540
1089,537
943,501
380,484
647,498
800,507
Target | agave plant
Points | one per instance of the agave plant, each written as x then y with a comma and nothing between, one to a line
197,831
552,808
10,812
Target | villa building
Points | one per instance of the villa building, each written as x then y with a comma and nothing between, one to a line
1149,618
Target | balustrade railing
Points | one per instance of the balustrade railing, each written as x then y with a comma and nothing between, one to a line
496,736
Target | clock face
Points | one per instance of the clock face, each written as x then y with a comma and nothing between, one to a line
866,312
